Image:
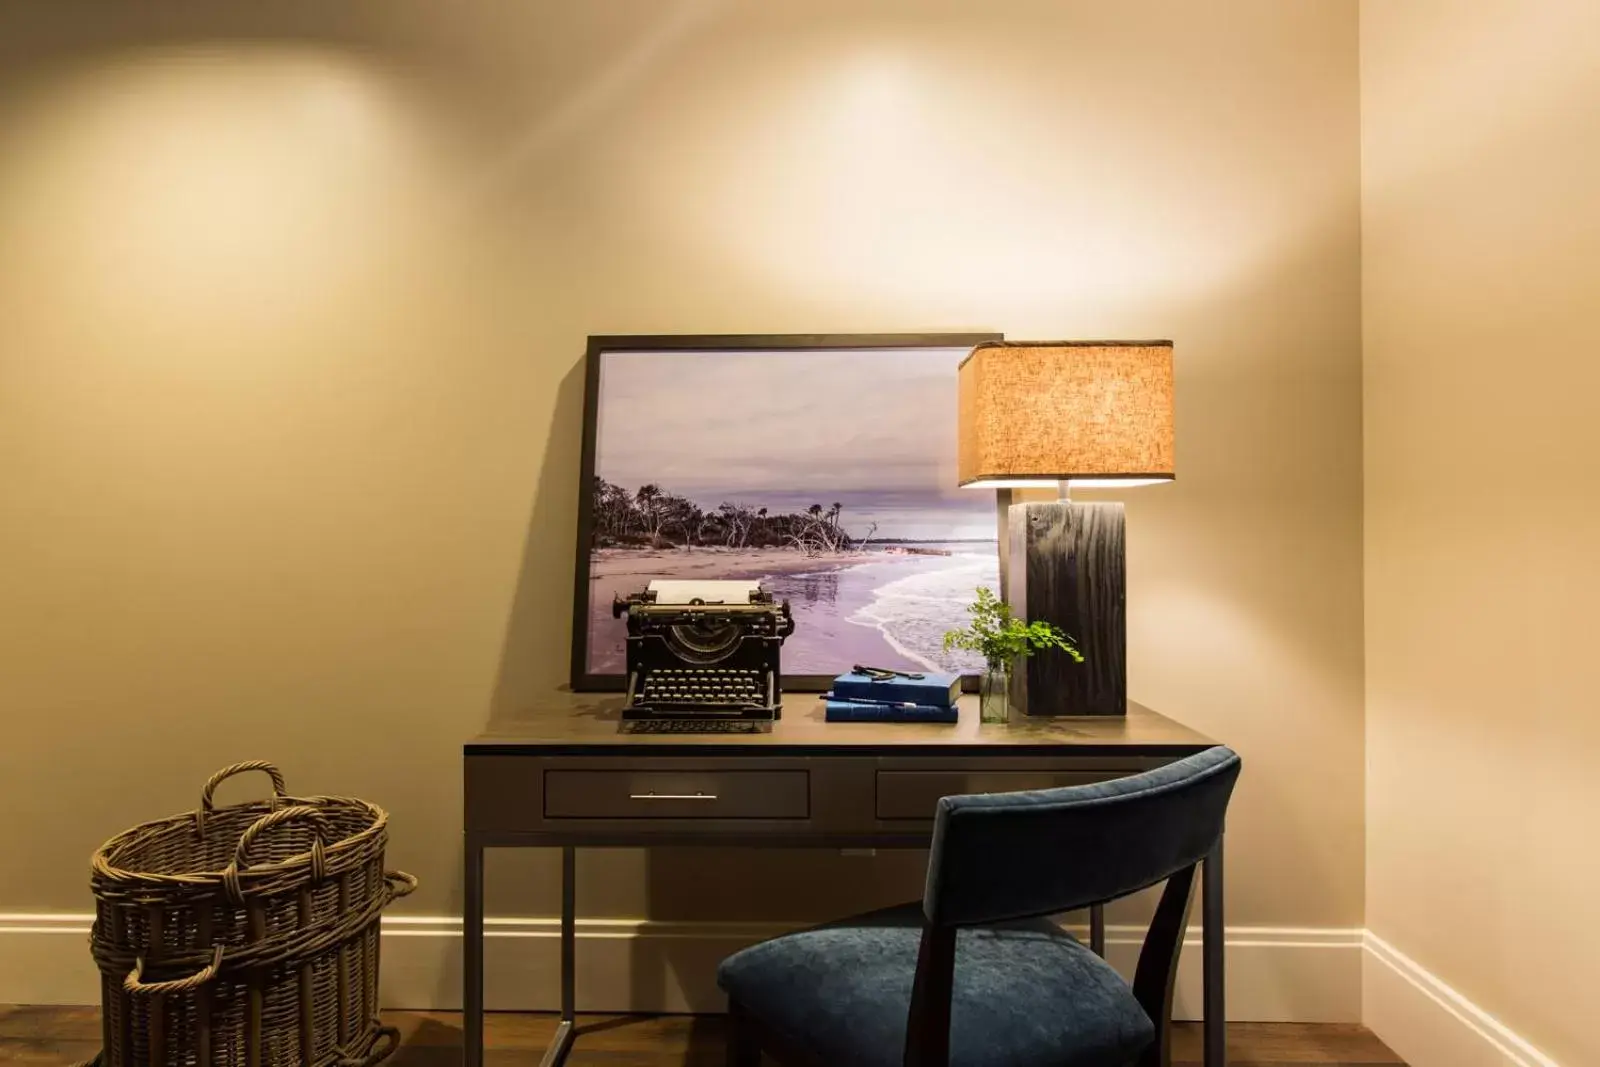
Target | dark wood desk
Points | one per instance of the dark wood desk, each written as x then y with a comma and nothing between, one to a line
566,777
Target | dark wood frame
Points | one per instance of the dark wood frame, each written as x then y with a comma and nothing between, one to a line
582,680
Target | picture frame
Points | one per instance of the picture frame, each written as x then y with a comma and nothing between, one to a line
656,376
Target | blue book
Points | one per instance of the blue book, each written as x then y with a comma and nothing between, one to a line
881,711
934,690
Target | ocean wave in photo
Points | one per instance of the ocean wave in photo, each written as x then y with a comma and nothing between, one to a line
914,611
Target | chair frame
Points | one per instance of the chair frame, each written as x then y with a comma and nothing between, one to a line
928,1023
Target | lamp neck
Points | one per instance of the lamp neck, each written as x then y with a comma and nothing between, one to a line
1064,488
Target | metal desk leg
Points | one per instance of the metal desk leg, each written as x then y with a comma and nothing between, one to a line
1097,929
1213,930
561,1043
472,960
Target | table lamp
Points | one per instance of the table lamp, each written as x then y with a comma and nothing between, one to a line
1058,415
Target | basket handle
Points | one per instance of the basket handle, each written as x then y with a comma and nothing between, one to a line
135,985
208,805
400,885
241,852
385,1040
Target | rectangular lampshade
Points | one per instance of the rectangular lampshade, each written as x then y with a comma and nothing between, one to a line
1062,411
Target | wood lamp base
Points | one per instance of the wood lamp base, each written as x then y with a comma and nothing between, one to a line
1066,566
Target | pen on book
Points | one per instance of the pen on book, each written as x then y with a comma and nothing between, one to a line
874,700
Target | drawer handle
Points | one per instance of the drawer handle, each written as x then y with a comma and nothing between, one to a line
672,796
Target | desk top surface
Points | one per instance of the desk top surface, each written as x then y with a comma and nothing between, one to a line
590,724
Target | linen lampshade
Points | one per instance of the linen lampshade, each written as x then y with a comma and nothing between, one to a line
1081,412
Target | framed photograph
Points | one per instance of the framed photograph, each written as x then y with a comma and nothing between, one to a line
822,465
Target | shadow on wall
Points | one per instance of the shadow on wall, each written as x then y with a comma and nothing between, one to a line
534,658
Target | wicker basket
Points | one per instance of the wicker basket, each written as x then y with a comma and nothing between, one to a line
246,935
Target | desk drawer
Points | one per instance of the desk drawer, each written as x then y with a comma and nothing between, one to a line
676,794
915,794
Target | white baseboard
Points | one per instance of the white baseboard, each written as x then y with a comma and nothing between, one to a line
1274,974
1429,1024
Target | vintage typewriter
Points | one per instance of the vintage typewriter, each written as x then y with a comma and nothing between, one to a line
703,650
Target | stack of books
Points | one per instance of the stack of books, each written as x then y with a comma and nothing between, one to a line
901,697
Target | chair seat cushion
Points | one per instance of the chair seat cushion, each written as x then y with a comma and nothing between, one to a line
1025,994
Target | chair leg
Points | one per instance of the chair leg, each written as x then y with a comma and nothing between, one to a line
744,1050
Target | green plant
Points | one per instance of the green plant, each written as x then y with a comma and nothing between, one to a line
1003,638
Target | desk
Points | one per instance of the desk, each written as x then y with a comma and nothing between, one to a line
565,777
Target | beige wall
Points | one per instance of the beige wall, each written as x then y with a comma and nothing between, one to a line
294,294
1481,157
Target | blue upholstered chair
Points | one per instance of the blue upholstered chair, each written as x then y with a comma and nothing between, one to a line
976,976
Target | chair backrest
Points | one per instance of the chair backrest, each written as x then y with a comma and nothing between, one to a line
1015,855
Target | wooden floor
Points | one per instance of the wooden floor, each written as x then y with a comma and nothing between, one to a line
57,1036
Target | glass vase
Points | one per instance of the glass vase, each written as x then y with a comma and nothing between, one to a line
994,693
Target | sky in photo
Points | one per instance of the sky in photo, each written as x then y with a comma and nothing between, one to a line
874,430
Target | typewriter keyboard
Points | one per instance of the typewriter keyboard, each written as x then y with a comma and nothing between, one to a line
694,726
704,687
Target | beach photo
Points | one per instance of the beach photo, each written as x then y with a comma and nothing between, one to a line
826,474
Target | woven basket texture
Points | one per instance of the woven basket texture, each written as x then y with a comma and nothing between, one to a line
245,935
